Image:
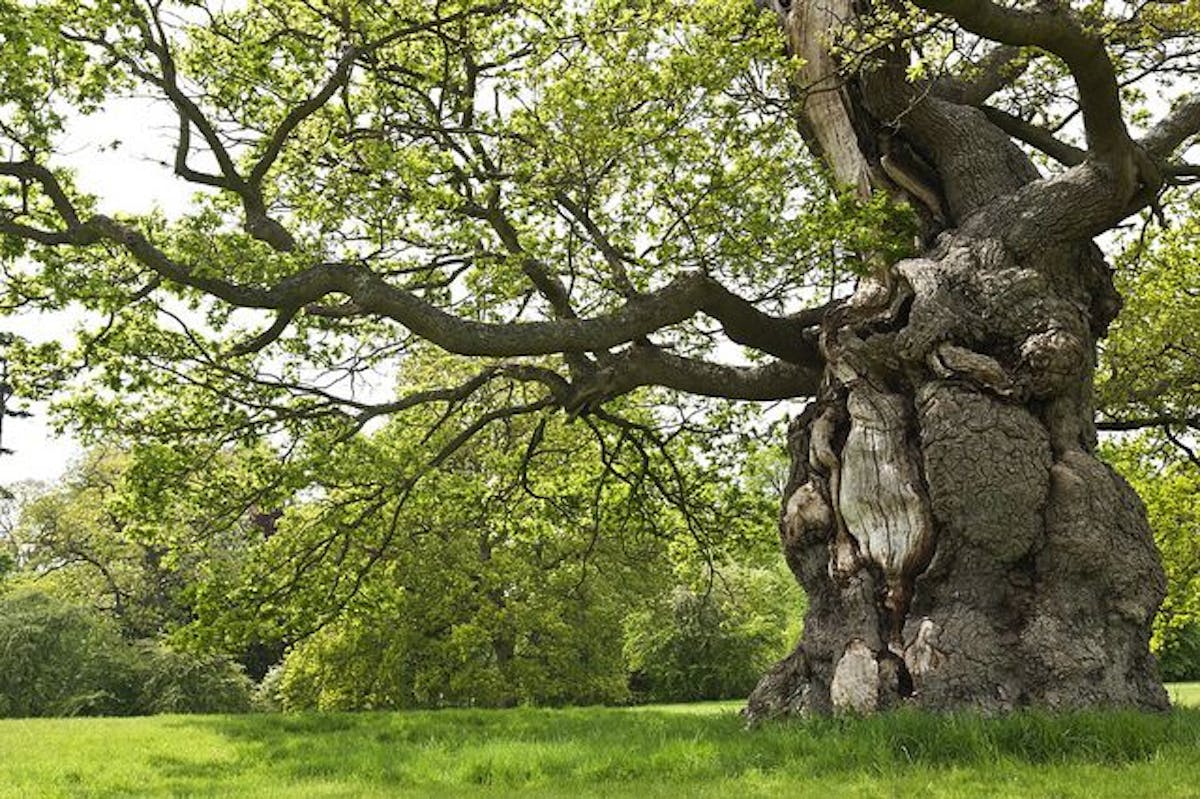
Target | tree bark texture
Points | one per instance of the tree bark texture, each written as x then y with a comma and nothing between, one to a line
960,544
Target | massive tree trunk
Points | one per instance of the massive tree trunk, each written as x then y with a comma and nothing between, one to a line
960,544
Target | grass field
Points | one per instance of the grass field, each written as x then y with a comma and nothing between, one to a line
671,750
1185,694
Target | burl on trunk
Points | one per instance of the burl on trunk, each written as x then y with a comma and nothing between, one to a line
960,544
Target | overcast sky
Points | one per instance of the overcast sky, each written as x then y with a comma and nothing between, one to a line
127,179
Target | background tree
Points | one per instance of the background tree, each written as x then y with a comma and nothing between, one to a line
135,535
590,199
520,590
61,660
510,575
1169,487
712,640
1149,395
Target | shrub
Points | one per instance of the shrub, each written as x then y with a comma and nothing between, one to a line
61,660
540,638
712,643
1178,651
188,682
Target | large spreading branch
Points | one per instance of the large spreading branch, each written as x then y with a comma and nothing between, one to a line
1055,29
368,293
1115,175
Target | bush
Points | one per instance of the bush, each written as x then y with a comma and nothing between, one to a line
1178,651
713,643
369,664
60,660
464,633
187,682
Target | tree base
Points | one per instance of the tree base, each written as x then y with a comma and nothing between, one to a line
960,545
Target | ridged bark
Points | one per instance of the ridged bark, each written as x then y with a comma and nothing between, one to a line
960,544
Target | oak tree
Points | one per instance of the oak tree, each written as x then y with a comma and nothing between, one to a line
596,198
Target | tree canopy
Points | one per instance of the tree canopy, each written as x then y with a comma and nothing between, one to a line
591,198
459,220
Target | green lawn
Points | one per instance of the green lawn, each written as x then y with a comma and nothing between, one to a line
1185,693
674,750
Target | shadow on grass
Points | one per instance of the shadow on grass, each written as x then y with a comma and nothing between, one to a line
582,747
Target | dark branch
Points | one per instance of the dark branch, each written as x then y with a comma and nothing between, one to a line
612,256
271,334
29,171
299,113
1056,30
645,365
1036,137
1166,420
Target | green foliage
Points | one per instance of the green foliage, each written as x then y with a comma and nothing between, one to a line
505,576
134,534
505,582
1169,487
713,642
413,645
1149,364
1178,648
58,659
61,660
186,682
659,123
1150,374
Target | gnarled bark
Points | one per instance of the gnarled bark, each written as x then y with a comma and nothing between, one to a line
960,544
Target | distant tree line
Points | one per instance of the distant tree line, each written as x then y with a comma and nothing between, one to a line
165,580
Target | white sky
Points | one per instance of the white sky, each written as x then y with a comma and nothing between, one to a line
127,179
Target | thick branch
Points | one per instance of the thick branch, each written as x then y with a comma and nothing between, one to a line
1166,420
998,68
783,337
645,365
1036,137
1174,129
1055,30
28,171
369,293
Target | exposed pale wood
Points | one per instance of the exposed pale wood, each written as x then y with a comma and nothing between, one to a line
825,107
855,685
